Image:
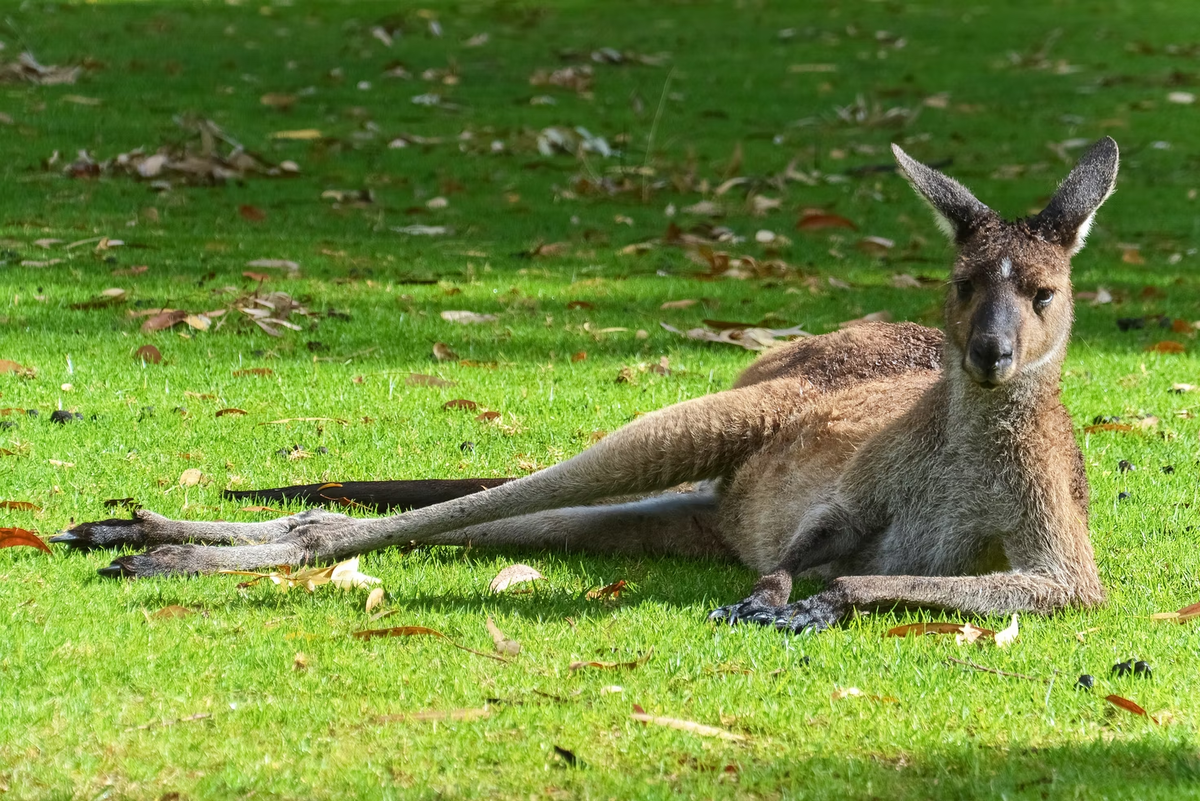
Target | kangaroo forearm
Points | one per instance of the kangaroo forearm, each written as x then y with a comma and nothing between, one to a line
993,593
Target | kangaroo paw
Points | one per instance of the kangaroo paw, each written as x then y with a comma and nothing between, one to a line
112,533
809,615
741,612
165,560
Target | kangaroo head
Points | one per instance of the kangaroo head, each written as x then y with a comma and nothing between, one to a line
1010,309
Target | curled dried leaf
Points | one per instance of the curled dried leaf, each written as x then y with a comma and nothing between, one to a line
19,537
614,665
514,574
689,726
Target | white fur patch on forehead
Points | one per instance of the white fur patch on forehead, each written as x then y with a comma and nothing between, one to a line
1006,267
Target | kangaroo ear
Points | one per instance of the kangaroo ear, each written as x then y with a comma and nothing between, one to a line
1068,218
956,211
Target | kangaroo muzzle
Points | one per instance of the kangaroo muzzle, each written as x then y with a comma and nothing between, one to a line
991,350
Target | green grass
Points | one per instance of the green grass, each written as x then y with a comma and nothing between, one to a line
87,679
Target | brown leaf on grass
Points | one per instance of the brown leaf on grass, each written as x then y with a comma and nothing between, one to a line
748,338
251,213
678,304
419,631
1182,616
818,220
422,380
877,246
108,297
487,417
460,403
164,319
171,612
253,276
278,100
576,78
259,371
148,354
581,304
514,574
919,629
547,250
1166,346
579,357
300,661
614,665
1092,429
1181,326
503,644
19,537
613,591
689,726
443,353
9,366
1131,254
436,715
467,317
261,509
231,411
1128,706
20,506
190,477
26,69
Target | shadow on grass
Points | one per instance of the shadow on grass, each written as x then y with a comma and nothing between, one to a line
1142,769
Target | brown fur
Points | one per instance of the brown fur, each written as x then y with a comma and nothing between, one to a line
906,467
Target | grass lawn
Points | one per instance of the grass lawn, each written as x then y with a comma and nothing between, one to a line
410,117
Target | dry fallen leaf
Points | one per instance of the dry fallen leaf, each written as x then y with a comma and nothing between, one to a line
1128,706
678,304
443,353
817,220
688,726
190,477
1166,346
613,665
503,644
231,411
1006,637
374,599
419,631
20,506
514,574
1182,616
148,354
613,590
345,576
9,366
300,661
468,317
918,629
260,371
422,380
461,403
19,537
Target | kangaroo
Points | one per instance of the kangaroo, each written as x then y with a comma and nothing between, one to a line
903,466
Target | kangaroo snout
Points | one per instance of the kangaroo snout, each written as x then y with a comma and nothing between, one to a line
990,358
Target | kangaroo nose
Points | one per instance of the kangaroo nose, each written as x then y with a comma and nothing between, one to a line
992,354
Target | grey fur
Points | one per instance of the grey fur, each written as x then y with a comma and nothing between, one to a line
875,457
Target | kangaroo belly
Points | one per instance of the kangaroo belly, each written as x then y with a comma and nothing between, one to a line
764,501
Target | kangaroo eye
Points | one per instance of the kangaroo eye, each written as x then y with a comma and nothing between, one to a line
964,288
1042,299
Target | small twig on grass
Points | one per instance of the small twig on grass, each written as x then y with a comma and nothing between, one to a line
970,664
306,420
